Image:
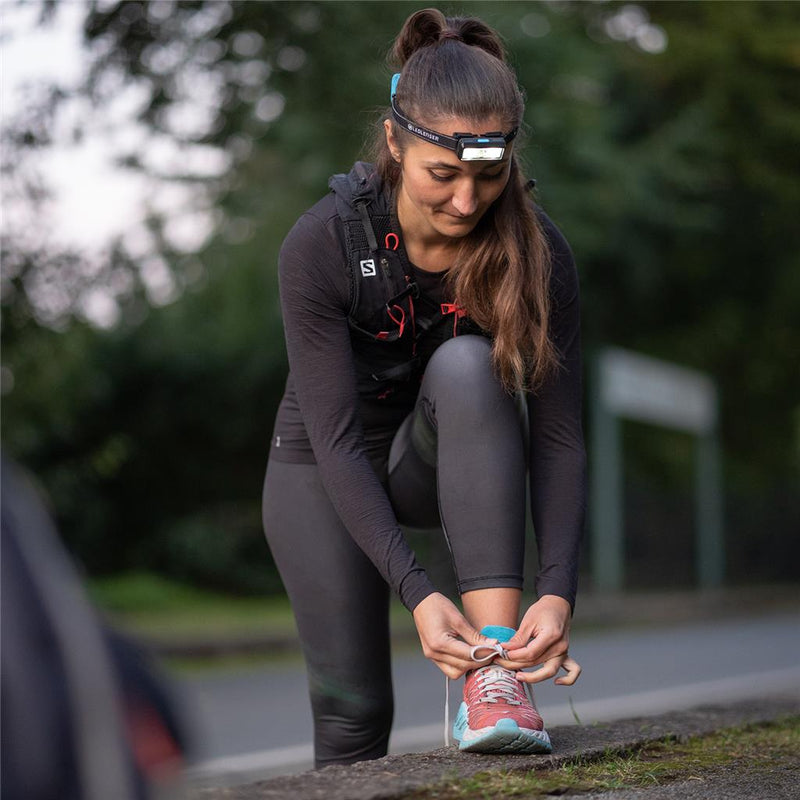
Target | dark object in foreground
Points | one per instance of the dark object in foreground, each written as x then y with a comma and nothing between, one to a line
85,716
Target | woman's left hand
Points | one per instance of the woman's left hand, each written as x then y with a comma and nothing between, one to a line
543,639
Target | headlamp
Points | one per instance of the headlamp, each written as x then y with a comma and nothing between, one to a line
481,148
467,146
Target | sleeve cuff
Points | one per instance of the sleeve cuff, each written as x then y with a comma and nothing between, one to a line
414,589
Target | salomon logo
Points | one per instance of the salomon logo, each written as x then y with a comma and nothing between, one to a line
368,267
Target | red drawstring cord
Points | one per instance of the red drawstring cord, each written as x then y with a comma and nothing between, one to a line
413,326
456,311
401,323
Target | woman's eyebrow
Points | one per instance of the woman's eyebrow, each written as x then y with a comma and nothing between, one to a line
457,167
442,165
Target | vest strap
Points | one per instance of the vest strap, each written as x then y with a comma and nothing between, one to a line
363,212
399,372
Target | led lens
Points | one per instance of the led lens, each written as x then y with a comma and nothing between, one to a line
482,153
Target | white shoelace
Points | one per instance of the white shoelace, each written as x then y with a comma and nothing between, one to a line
497,683
495,650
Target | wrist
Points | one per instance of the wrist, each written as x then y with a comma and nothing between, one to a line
556,602
430,599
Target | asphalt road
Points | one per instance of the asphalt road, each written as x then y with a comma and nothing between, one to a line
257,723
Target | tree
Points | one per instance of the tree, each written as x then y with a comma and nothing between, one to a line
664,140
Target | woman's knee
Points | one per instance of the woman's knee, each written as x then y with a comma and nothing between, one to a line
350,726
462,368
462,359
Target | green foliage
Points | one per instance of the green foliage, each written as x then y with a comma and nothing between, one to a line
673,174
144,593
149,605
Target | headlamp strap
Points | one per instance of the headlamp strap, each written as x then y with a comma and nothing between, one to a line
442,139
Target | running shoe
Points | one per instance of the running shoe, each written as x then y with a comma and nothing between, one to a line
497,715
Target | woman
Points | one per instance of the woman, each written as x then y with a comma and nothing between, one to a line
422,297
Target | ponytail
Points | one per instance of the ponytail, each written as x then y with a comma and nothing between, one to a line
429,27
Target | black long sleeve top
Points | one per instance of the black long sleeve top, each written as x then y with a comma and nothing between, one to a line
323,419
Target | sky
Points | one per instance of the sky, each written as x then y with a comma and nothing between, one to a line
94,201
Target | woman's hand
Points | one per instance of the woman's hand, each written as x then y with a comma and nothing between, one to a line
446,636
543,638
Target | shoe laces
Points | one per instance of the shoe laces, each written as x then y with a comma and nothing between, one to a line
497,685
495,650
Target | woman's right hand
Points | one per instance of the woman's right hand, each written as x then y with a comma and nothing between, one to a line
446,636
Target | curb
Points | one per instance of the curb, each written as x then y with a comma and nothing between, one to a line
394,777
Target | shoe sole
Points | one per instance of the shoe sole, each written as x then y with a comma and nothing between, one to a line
505,737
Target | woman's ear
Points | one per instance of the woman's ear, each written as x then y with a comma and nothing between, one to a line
391,141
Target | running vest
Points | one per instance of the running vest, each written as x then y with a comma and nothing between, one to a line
385,323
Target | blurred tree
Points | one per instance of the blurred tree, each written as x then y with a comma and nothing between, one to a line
664,138
170,427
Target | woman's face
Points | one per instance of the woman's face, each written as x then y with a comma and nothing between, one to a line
441,196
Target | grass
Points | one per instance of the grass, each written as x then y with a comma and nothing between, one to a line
760,749
151,605
160,610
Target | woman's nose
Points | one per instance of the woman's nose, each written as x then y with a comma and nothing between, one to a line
465,199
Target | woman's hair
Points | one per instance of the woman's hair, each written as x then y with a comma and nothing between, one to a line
456,67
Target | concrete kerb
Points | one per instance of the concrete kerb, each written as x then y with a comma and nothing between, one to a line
394,777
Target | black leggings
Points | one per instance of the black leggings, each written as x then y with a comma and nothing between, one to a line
456,462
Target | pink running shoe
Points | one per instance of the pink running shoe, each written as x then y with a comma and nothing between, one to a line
497,715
